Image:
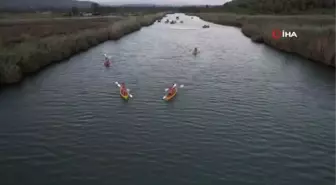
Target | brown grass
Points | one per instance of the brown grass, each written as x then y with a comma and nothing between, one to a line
37,50
15,32
17,15
316,34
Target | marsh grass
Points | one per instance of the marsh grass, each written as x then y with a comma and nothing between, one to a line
15,32
316,33
38,51
17,15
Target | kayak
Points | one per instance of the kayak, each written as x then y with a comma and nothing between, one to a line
107,64
124,96
168,96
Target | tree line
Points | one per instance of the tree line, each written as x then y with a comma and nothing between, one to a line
234,6
97,9
281,6
266,6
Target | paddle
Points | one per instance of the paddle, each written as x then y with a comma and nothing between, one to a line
128,90
107,57
172,87
108,60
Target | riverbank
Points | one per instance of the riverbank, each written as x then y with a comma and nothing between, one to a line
26,48
316,33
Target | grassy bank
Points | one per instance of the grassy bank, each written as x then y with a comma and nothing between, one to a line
26,48
316,33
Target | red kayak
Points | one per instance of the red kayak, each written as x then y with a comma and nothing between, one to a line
107,63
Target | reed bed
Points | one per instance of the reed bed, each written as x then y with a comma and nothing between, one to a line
316,33
39,50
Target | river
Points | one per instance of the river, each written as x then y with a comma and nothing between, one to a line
248,114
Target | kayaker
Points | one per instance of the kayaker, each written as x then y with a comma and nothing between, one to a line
171,90
196,50
107,61
107,64
123,88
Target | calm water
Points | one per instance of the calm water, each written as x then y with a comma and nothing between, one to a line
248,115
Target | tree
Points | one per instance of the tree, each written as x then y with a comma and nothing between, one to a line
95,8
74,10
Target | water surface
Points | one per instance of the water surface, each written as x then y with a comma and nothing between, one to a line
248,115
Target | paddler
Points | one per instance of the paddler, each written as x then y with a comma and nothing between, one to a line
171,90
106,58
123,89
195,51
107,61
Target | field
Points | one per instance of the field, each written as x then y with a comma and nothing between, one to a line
316,33
29,45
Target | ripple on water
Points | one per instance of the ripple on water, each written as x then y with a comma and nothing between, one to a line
247,114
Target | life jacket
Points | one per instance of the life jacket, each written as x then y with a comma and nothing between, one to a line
171,90
123,90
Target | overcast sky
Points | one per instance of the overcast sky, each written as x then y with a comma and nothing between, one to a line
164,2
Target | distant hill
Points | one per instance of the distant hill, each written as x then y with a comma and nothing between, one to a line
41,4
137,5
130,5
150,5
280,6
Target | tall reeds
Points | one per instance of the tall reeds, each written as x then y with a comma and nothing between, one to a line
32,55
316,33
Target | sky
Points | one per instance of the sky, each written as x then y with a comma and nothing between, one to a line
164,2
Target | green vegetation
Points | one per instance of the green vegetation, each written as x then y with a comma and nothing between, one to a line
74,11
279,6
31,45
268,7
6,16
316,34
15,32
312,20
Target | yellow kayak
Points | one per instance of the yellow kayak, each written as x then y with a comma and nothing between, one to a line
124,95
168,96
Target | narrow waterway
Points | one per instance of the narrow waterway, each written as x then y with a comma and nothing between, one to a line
247,115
